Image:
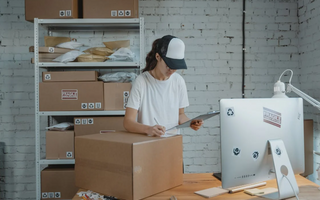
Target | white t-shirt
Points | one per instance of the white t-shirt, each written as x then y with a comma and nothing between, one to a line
158,99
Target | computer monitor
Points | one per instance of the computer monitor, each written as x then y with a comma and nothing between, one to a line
246,127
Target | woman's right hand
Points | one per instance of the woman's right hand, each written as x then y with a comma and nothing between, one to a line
156,130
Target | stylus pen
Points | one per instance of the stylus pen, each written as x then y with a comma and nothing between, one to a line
156,121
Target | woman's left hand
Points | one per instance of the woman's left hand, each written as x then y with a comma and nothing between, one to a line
196,124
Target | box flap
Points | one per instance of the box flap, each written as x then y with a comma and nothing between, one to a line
157,166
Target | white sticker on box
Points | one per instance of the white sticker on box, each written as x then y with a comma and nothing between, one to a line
91,106
51,49
62,13
127,13
69,154
84,121
57,195
98,105
47,77
68,13
84,105
125,96
124,106
77,121
44,195
51,195
120,13
114,13
69,94
90,121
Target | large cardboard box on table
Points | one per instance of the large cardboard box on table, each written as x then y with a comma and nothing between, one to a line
59,145
110,8
71,96
93,125
70,76
51,9
127,165
116,95
58,182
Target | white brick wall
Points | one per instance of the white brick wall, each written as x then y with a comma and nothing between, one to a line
308,13
212,32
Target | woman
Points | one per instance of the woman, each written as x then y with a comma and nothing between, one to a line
159,95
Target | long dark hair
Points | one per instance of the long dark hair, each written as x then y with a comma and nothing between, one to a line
159,47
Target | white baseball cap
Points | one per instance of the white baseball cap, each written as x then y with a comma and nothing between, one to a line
174,57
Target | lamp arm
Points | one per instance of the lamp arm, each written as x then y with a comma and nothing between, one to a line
306,97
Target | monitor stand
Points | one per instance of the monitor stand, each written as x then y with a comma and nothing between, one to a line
282,168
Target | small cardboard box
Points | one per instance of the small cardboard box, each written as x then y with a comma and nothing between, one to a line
127,165
58,183
116,95
70,76
71,96
59,145
110,8
51,9
93,125
308,147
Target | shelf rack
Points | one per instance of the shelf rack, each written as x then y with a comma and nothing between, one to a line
136,24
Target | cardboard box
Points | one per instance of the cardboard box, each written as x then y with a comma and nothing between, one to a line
308,147
71,96
70,76
51,9
51,50
59,145
110,8
58,183
127,165
116,95
93,125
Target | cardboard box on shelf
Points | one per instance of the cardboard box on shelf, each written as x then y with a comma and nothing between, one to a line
110,8
116,95
59,145
58,182
70,76
50,50
51,9
93,125
71,96
127,165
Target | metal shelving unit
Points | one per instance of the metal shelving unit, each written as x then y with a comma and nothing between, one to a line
77,25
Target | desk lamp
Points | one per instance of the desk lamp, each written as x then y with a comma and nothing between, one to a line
279,92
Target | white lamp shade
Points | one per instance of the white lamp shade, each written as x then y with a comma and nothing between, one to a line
279,90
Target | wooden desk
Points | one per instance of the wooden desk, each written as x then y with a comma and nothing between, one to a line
196,182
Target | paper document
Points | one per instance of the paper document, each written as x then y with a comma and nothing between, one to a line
203,117
211,192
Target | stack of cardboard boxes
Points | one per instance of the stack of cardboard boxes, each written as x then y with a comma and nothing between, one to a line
72,9
76,91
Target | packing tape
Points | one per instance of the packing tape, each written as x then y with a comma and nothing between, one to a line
104,166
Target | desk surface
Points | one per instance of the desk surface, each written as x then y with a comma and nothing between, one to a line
196,182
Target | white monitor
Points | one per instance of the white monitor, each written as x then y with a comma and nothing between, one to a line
246,127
